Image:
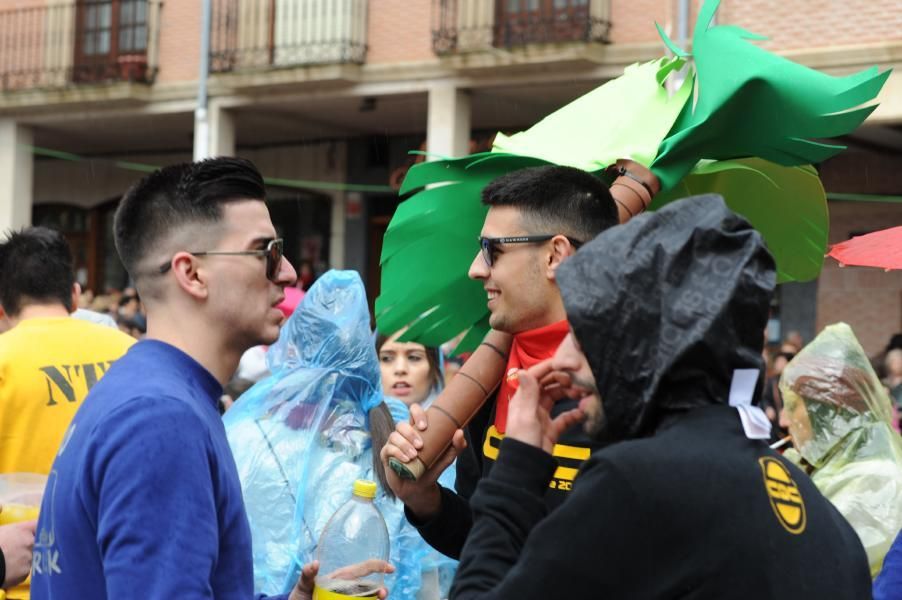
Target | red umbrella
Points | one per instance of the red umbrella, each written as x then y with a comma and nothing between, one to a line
882,249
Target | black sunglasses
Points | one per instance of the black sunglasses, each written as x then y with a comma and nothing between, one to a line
272,253
489,245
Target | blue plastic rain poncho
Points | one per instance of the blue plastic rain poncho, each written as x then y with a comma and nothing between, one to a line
300,439
839,417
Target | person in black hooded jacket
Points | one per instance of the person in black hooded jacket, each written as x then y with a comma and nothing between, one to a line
664,311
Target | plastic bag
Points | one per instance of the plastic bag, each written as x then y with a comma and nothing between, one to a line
839,417
300,438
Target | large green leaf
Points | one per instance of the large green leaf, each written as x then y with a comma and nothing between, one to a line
754,103
626,117
786,204
428,248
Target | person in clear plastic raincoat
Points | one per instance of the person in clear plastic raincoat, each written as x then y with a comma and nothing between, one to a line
838,414
303,435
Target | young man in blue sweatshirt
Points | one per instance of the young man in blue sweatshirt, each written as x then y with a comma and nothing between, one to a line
143,499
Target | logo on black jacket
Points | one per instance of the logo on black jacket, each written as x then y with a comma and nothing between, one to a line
785,497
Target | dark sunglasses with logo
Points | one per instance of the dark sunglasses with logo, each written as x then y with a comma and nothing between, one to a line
272,253
489,245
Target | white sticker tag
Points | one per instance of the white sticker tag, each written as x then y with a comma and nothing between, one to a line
754,422
743,386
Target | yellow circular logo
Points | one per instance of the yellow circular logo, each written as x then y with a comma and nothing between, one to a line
784,495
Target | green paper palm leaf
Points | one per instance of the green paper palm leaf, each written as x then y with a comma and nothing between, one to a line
787,205
599,129
429,245
432,238
754,103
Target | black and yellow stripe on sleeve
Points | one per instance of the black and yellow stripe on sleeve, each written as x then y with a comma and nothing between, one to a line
569,458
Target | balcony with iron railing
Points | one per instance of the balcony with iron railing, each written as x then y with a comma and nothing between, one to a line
464,26
73,42
261,34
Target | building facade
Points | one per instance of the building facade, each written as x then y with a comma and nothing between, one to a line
328,97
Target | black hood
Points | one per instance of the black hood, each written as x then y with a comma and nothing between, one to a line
665,308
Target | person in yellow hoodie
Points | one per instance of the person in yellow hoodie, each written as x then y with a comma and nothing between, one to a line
48,363
838,415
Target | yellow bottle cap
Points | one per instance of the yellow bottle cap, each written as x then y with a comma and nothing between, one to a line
365,488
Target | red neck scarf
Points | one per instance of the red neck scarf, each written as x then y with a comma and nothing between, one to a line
529,348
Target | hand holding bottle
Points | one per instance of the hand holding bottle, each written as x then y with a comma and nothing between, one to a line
352,550
303,590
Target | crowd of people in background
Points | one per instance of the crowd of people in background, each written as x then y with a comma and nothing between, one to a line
320,399
124,309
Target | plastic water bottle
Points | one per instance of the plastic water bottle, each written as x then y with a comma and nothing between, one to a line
354,536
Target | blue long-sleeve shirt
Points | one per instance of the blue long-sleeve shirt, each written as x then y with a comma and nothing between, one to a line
888,585
143,499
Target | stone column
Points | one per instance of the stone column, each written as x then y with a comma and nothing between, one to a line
448,122
16,175
218,127
222,131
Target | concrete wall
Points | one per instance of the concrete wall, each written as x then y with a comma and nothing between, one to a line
89,182
315,162
94,181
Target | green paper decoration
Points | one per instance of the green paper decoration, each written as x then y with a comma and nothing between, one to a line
746,103
786,204
428,248
615,132
754,103
432,238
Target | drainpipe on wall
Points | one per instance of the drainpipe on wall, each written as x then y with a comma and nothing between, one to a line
683,23
201,118
674,82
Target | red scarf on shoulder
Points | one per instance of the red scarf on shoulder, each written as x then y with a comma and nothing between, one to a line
529,348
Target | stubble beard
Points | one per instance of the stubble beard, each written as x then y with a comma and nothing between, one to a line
498,323
595,421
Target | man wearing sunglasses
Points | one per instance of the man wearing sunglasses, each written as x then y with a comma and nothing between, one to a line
144,497
537,218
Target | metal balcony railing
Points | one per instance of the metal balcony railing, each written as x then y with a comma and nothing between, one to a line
78,42
461,26
255,34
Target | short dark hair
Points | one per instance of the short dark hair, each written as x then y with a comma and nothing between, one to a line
35,268
177,196
558,200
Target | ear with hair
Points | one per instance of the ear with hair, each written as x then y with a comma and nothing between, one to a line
188,275
561,249
381,426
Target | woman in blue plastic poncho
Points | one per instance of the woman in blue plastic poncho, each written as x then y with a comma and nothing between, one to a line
303,435
412,374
